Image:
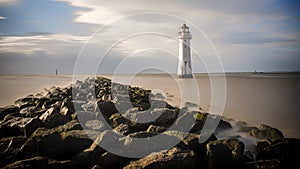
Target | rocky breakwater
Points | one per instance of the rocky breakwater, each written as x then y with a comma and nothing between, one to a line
63,128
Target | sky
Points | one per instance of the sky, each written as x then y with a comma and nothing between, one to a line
96,36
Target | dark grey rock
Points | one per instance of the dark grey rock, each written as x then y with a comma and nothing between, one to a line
171,159
53,118
225,153
19,126
156,129
78,140
50,143
8,110
110,160
263,132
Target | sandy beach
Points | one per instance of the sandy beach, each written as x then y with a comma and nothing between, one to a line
254,98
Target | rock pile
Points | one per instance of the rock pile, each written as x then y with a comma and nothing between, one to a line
64,127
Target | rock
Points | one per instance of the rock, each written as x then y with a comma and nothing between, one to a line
158,104
167,116
19,126
107,108
66,111
41,162
41,101
197,126
72,125
89,157
191,141
123,129
68,105
55,164
123,105
156,129
52,118
143,134
9,146
263,132
50,143
241,124
5,142
268,132
78,140
31,163
84,116
147,142
51,103
26,101
89,106
225,153
32,111
263,164
77,105
8,110
110,160
173,158
261,145
187,123
223,125
96,125
285,150
97,167
18,148
117,119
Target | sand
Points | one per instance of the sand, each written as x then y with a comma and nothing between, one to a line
254,98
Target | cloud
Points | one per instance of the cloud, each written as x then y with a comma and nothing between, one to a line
8,2
52,44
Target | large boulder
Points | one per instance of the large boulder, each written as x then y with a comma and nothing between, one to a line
72,125
53,118
173,158
285,150
19,126
166,116
50,143
18,148
117,119
156,129
262,132
225,154
107,108
26,101
78,140
32,111
88,157
190,141
123,129
8,110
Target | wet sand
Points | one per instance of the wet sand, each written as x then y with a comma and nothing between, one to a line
254,98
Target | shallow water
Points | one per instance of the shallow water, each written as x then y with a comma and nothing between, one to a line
255,98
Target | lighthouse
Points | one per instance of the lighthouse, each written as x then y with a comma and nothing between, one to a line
184,62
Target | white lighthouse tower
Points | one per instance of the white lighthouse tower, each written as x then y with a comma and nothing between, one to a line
184,62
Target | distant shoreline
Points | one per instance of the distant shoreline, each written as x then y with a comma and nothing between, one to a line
214,73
